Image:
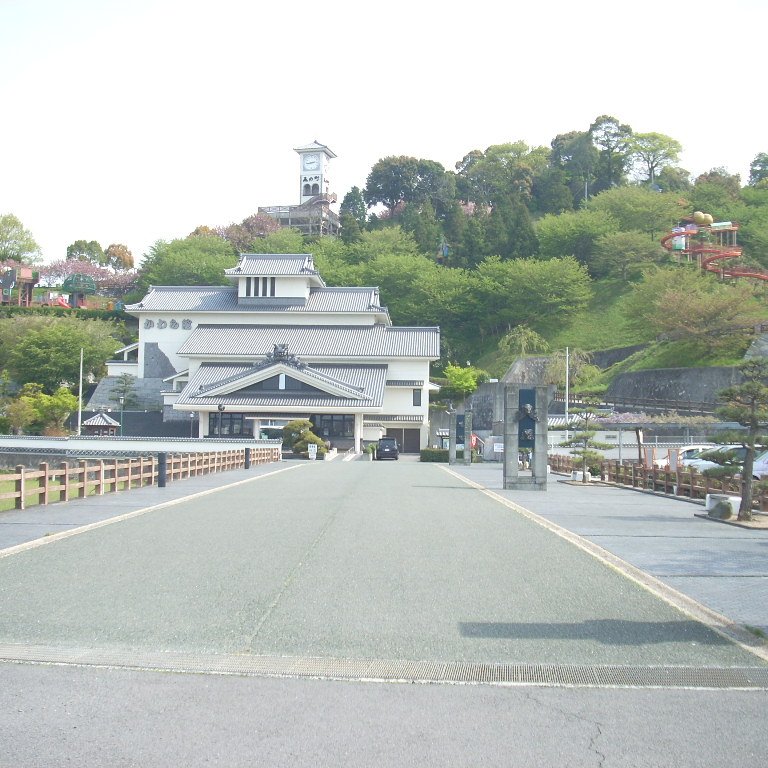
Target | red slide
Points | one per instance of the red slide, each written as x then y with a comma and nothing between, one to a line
709,255
62,302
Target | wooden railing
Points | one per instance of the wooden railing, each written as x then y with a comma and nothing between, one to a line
684,482
62,482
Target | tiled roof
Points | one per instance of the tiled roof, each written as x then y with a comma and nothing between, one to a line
273,265
364,384
101,420
328,342
188,298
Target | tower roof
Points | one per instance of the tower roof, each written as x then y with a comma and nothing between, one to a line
316,146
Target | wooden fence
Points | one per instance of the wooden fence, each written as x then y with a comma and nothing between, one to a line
62,482
684,482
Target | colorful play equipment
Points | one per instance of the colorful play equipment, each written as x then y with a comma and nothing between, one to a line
78,286
23,280
712,244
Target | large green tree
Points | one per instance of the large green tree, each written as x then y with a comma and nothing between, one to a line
46,349
16,242
640,209
396,180
758,169
197,260
613,139
86,250
573,233
654,151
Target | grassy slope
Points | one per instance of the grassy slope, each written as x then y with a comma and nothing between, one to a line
602,326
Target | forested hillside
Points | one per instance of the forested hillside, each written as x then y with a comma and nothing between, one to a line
521,248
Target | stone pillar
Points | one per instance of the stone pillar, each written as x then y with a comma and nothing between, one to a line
468,437
358,432
452,438
525,426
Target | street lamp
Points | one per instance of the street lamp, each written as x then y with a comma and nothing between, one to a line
122,403
191,423
221,411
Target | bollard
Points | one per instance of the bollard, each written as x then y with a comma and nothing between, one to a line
247,458
162,469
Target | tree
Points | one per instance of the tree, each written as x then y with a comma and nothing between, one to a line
20,414
640,209
395,180
503,170
520,341
747,404
54,409
16,242
573,234
353,205
687,303
673,179
421,222
48,351
191,261
462,380
244,236
758,169
118,257
509,232
654,151
575,154
125,388
613,139
86,251
585,447
625,254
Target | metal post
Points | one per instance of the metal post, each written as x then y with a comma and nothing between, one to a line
452,437
162,469
221,411
122,403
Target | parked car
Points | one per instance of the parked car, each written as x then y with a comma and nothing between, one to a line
700,463
760,467
387,448
692,452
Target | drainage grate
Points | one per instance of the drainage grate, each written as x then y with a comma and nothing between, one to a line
399,670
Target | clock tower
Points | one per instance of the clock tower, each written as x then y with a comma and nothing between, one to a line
313,170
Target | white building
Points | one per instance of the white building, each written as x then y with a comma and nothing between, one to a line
278,344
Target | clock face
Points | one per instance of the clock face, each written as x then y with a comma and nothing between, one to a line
311,162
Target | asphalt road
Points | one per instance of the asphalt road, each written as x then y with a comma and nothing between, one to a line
341,564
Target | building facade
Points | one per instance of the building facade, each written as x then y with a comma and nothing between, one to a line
277,344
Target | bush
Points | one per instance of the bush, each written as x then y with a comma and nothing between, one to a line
300,446
433,455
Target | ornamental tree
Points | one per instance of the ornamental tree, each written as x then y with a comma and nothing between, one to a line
747,404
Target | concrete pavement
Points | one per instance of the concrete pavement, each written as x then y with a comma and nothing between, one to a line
362,572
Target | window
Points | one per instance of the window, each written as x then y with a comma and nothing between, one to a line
330,425
417,397
307,190
315,189
231,424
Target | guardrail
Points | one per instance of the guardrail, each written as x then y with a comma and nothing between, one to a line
63,482
683,482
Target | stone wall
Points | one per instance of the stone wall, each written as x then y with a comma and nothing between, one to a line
683,386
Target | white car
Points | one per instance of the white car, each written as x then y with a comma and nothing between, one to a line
760,467
700,464
691,452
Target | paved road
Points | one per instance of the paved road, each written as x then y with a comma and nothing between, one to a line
352,571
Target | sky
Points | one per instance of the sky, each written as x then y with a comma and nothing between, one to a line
132,121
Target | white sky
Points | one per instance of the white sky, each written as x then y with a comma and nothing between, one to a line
131,121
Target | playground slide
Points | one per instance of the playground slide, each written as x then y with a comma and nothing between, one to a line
709,262
62,302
